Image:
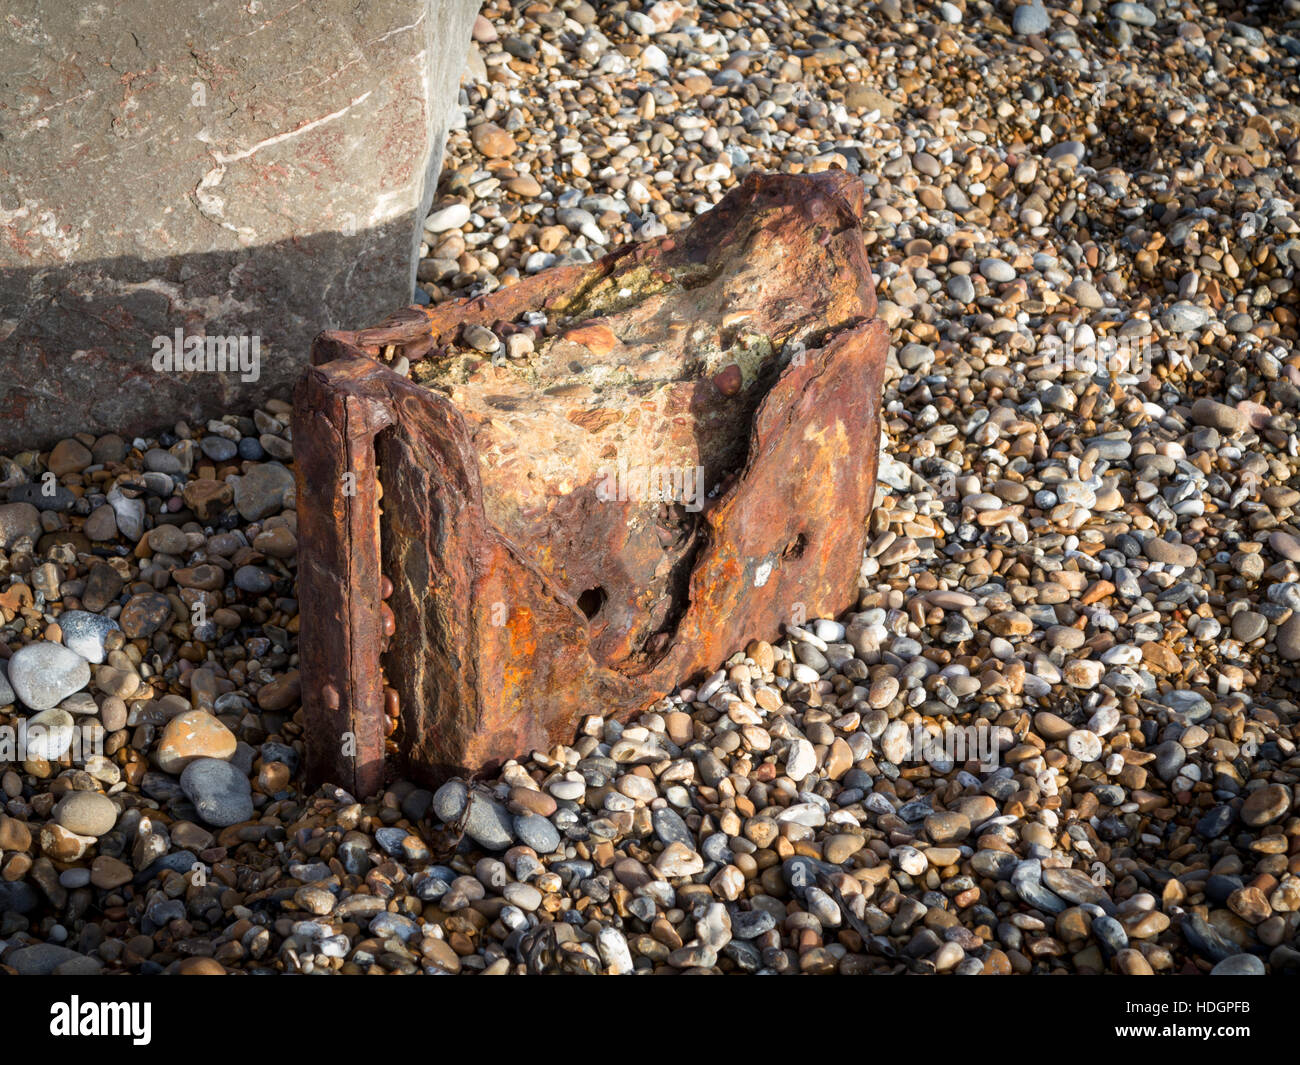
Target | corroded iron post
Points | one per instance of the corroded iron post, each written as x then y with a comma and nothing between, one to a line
482,563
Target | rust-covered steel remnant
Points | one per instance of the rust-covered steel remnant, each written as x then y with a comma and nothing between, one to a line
673,451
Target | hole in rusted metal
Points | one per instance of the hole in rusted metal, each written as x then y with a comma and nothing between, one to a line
590,602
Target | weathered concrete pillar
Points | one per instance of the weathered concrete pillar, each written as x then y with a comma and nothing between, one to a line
250,171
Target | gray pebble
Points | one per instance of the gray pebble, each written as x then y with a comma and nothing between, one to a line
84,633
44,674
220,792
534,830
1030,19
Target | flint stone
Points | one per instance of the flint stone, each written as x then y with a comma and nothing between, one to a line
177,861
1205,940
534,830
84,633
670,828
1288,639
36,495
488,823
282,752
1135,14
390,840
18,520
18,897
453,216
1216,822
129,513
1038,896
750,924
1110,935
87,813
221,794
218,448
263,490
41,959
1030,19
1239,965
1221,416
44,674
801,873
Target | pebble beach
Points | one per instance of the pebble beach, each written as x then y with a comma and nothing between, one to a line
1058,732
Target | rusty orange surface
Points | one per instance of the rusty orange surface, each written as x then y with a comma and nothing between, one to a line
522,605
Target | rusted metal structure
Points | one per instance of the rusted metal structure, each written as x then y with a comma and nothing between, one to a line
481,561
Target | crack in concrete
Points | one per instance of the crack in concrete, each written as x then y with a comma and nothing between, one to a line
212,206
400,29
